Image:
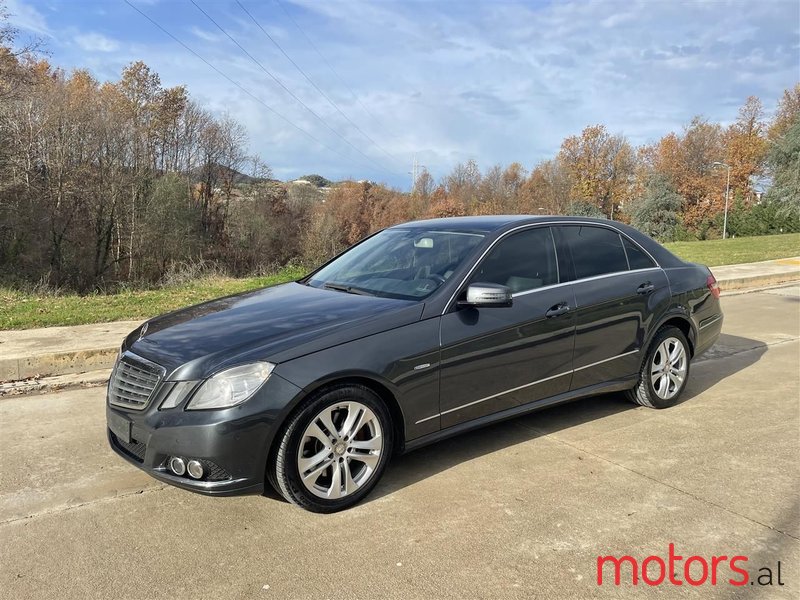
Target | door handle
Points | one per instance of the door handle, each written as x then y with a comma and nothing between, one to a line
557,310
645,288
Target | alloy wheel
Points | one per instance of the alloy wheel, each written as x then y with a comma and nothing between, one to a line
668,368
340,450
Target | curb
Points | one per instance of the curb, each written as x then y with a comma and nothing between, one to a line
757,281
58,383
59,363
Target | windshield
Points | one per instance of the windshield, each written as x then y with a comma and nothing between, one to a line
398,263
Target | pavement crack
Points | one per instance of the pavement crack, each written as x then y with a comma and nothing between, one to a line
658,481
61,509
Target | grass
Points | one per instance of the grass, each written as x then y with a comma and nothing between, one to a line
735,251
24,311
20,310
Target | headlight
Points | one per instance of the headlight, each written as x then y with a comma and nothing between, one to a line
177,394
230,387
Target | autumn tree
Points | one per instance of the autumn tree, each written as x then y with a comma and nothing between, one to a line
686,161
81,166
443,205
787,114
600,167
546,190
420,201
462,183
14,59
746,147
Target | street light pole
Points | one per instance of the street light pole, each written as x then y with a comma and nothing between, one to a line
727,192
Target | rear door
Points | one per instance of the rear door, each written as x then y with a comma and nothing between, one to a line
619,290
500,357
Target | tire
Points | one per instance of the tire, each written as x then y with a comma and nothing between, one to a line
661,385
326,471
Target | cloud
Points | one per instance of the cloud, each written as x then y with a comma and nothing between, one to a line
204,34
487,103
96,42
26,17
508,81
495,81
617,19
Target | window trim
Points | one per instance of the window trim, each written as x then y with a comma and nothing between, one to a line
592,278
624,251
552,224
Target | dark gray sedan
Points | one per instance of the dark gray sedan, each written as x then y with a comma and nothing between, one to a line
419,332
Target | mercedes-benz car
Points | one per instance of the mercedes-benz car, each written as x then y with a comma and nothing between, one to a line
418,332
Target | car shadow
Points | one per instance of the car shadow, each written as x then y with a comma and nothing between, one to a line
428,461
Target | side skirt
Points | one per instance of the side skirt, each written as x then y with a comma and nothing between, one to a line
618,385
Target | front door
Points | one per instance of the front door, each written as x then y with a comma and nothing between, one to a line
495,358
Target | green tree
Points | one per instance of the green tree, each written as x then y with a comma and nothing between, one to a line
317,180
784,162
763,218
658,213
585,209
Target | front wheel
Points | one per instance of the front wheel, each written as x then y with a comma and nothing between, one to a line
334,449
665,370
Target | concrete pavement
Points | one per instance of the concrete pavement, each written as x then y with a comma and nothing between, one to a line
517,510
58,351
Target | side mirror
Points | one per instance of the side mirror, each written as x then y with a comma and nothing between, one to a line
487,295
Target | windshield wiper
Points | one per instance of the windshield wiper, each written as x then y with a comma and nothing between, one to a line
341,287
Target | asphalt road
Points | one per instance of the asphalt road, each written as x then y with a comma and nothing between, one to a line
521,509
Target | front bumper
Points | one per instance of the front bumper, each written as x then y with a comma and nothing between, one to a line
233,444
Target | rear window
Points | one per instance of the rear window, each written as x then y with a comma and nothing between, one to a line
595,250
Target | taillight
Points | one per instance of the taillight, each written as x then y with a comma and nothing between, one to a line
713,287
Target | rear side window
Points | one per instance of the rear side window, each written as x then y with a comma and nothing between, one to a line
636,258
595,250
523,261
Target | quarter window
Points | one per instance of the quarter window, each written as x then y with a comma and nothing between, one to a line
636,258
595,250
523,261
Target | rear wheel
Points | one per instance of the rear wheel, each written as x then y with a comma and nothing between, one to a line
665,370
334,449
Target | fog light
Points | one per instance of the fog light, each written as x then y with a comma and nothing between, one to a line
195,468
177,465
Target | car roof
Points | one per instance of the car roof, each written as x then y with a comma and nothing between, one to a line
497,224
488,223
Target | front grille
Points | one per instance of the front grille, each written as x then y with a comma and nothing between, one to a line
133,381
134,448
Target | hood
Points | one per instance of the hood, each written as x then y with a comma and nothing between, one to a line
276,323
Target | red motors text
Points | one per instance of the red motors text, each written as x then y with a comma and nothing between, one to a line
675,569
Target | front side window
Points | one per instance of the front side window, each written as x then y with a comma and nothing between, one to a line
398,263
595,250
523,261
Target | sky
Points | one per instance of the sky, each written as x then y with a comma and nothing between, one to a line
386,81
